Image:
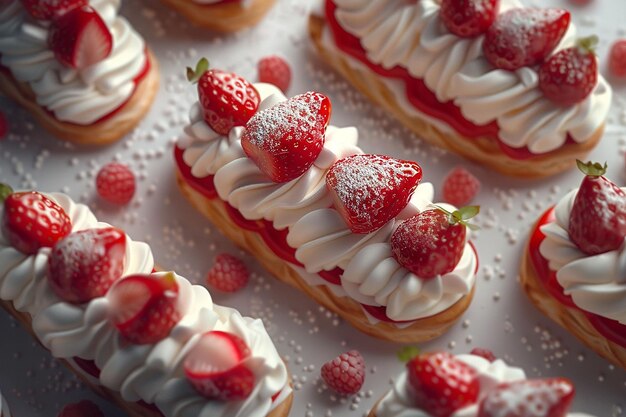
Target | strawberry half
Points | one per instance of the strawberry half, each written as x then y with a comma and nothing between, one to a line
524,37
370,190
80,38
549,397
31,221
85,264
468,18
215,367
285,139
145,307
49,9
431,243
442,384
227,99
597,222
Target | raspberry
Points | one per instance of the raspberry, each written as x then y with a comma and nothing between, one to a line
617,58
460,187
228,274
84,408
346,373
115,183
275,70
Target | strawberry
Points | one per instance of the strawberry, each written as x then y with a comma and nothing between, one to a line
460,187
80,38
49,9
85,264
228,274
431,243
275,70
4,126
442,384
215,367
484,353
116,183
597,222
570,75
524,37
285,139
84,408
468,18
370,190
617,58
31,221
227,99
346,373
549,397
145,307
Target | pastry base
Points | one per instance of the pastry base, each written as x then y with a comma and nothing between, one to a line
97,134
483,150
420,330
573,320
227,17
373,411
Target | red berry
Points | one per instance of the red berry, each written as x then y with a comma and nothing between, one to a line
215,367
468,18
460,187
617,58
484,353
442,384
528,398
570,75
31,221
85,264
146,307
228,274
370,190
84,408
49,9
116,183
4,126
275,70
80,38
346,373
285,139
597,222
524,37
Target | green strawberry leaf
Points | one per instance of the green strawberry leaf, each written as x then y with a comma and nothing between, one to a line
407,353
5,191
193,75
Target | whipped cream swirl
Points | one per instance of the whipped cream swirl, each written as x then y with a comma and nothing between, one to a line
596,283
76,96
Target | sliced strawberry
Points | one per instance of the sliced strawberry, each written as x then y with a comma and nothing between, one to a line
31,221
227,99
597,222
285,139
215,367
468,18
49,9
370,190
431,243
529,398
275,70
80,38
145,307
85,264
442,384
524,37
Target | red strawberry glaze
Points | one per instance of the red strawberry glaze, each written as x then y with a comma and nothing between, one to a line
611,329
420,96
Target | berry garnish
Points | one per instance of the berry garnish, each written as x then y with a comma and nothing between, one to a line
215,367
31,221
49,9
346,373
84,408
460,187
285,139
227,99
116,183
85,264
431,243
275,70
145,307
228,274
370,190
617,58
570,75
597,222
80,38
468,18
528,398
484,353
442,384
524,37
4,126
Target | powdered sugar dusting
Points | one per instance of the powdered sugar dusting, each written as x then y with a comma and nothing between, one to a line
527,398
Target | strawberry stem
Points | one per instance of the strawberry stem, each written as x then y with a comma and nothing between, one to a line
462,215
588,44
407,353
193,75
592,169
5,191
